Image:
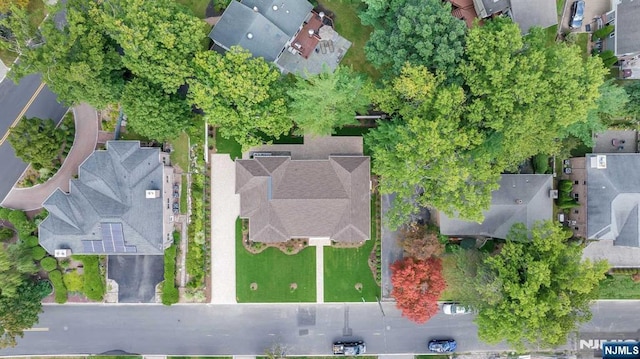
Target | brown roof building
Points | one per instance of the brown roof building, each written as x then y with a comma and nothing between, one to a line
285,198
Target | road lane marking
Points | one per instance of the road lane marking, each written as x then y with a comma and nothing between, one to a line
24,110
37,330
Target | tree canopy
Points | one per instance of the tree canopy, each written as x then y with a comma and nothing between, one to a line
416,31
321,103
36,141
536,290
423,154
240,94
153,113
15,266
417,285
21,311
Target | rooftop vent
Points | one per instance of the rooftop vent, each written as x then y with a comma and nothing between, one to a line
249,36
152,193
62,253
321,14
553,193
519,201
275,7
255,8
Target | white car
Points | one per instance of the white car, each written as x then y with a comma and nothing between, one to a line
455,309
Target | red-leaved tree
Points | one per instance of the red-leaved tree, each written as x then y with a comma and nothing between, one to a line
417,285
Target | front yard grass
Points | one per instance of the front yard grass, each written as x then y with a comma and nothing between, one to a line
619,286
274,272
582,41
180,152
343,269
348,25
448,266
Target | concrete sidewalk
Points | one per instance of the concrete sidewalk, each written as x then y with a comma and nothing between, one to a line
319,243
225,209
4,70
84,143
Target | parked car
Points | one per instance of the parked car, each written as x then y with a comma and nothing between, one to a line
176,187
577,14
349,348
176,194
455,309
442,345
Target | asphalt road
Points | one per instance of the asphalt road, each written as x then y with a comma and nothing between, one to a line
25,99
250,329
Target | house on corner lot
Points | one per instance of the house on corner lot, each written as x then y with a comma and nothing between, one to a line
119,204
318,196
609,197
521,198
285,32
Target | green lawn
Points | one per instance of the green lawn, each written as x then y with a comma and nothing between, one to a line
582,41
619,286
273,272
172,357
551,32
180,153
560,7
434,356
198,7
348,25
343,268
229,146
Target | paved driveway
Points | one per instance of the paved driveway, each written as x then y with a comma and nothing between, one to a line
391,252
592,9
137,277
617,256
225,208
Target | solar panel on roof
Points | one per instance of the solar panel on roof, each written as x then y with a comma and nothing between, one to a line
113,238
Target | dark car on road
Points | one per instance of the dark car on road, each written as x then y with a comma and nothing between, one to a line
349,348
577,14
442,345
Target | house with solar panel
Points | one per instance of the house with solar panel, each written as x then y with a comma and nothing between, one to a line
119,204
287,33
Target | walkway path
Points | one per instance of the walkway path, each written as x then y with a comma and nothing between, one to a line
225,208
84,143
319,244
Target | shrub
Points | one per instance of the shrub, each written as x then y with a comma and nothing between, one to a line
603,32
6,233
93,285
541,163
58,285
49,264
37,253
170,293
31,241
608,58
73,281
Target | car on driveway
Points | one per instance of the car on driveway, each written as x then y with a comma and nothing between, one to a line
455,309
577,14
349,348
442,345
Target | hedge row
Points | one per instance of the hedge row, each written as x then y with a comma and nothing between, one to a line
196,260
93,285
170,293
58,286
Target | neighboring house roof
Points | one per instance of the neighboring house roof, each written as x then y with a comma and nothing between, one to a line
613,197
486,8
627,27
521,198
285,198
264,32
527,13
107,210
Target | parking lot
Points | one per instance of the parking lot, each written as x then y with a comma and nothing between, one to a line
592,9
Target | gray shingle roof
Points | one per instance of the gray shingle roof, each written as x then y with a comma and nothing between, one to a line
285,198
264,32
110,188
613,197
486,8
527,13
520,199
627,27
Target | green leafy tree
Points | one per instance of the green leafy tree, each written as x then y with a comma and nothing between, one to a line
321,103
523,94
20,312
15,266
612,104
426,149
421,32
36,141
240,94
633,106
536,290
16,31
153,113
158,39
78,61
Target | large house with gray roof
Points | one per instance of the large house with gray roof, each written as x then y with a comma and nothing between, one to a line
119,204
607,187
521,198
525,13
284,198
